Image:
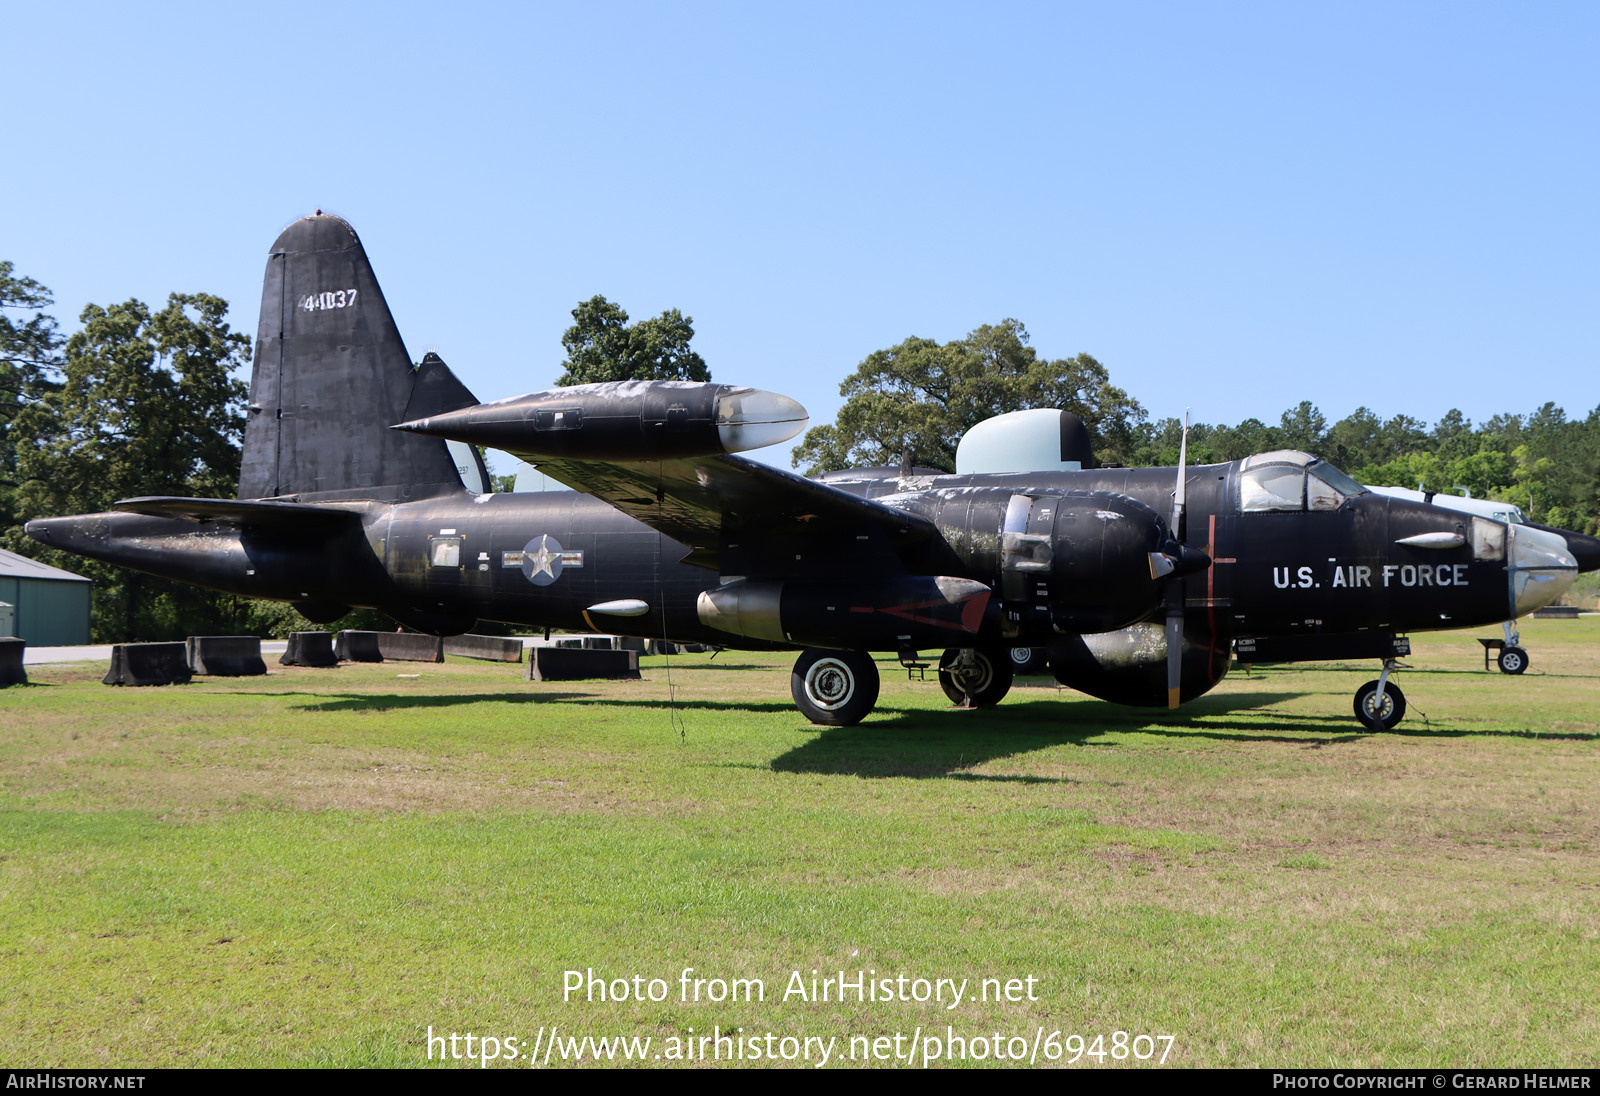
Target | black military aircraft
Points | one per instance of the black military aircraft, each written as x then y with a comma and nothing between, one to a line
361,486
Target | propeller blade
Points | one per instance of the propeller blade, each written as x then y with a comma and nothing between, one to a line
1181,567
1161,565
1179,494
1174,652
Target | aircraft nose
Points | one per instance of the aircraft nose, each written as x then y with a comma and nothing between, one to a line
1585,549
1539,566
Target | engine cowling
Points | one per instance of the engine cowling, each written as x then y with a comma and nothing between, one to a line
1067,562
907,612
1129,665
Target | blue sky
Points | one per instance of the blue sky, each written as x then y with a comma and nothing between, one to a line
1233,206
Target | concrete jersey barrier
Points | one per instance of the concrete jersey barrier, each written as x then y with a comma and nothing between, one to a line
11,671
149,664
578,664
354,646
225,656
309,649
492,648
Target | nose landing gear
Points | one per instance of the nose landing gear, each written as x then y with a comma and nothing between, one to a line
1380,705
1513,660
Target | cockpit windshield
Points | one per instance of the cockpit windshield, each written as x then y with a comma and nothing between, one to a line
1289,480
1336,479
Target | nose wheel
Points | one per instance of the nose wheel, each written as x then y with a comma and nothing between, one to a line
1513,660
973,678
1380,705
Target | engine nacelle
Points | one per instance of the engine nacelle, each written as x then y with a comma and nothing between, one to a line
1129,666
1062,563
910,612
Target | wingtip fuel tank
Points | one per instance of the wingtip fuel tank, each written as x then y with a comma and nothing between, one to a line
624,420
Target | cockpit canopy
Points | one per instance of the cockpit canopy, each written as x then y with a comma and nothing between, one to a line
1287,479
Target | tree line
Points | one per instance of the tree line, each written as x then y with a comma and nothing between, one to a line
144,401
1543,462
921,396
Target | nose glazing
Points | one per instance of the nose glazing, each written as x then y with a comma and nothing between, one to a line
1539,568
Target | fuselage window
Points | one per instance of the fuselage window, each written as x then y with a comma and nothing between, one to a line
445,551
1272,488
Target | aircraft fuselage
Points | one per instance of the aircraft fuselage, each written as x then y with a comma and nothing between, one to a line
543,559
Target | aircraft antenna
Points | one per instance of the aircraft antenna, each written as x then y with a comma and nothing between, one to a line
675,717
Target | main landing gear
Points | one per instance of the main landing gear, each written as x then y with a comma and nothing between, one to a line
834,688
839,688
1380,705
975,679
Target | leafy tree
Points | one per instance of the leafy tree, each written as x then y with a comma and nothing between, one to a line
1413,470
1453,436
29,361
1302,428
922,395
603,346
146,407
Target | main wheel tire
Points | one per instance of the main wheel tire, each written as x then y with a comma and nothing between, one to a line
1029,660
984,686
1371,715
834,688
1513,660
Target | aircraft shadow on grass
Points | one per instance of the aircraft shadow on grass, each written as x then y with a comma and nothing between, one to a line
362,702
1267,673
917,742
920,743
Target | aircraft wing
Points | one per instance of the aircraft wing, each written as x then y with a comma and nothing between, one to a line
705,502
662,452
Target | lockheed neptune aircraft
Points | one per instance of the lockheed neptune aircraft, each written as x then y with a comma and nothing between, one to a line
360,486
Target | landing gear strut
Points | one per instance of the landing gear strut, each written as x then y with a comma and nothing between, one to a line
1513,659
974,679
834,688
1380,705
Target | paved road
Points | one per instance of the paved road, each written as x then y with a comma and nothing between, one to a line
40,656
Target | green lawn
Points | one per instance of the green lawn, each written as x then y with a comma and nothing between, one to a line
315,867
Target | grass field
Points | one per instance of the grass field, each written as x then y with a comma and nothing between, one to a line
315,867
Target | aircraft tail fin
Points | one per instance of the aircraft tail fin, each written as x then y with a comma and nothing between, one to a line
331,375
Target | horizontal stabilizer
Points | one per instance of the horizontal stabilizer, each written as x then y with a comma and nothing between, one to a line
236,512
436,390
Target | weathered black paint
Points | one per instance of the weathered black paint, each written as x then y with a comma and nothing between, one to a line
337,509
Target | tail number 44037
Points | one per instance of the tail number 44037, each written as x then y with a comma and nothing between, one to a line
333,298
